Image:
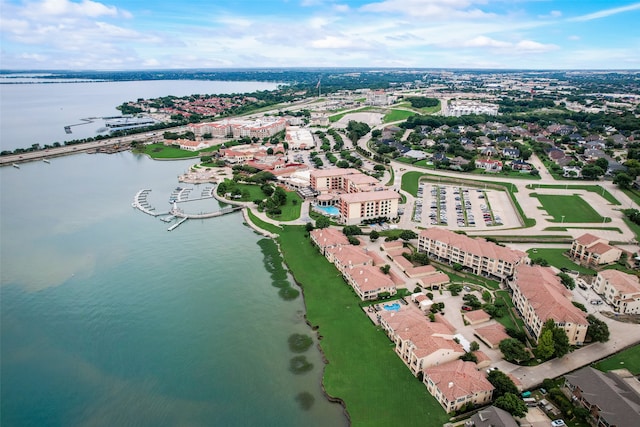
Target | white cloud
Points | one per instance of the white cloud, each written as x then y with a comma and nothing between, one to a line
429,8
606,12
574,37
67,8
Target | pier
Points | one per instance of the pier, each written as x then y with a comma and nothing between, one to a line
140,202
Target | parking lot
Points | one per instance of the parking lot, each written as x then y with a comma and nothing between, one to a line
463,207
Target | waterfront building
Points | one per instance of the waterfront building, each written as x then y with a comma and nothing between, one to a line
539,295
457,384
237,128
325,238
478,255
369,282
342,181
590,249
419,342
620,290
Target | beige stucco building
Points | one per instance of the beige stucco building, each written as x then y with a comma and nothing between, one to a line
590,249
480,256
458,383
538,295
357,207
620,290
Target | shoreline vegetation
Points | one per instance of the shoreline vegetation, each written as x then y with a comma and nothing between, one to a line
361,372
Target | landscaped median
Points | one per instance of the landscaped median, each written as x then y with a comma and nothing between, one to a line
363,370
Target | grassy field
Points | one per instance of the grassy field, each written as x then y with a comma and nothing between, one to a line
635,228
410,182
572,207
291,210
510,320
634,195
397,115
161,151
593,188
629,359
338,116
363,370
556,258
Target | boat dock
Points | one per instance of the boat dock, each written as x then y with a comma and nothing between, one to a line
140,202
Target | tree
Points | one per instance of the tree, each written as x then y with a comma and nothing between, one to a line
474,346
513,350
472,300
511,403
592,172
351,230
560,342
598,330
408,235
502,383
385,268
602,163
308,227
567,281
623,180
322,222
546,346
374,235
455,288
486,296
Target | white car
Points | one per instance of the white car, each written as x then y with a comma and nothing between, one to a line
558,423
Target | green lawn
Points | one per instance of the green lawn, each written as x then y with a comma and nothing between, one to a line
635,228
633,194
629,359
362,370
511,320
291,210
397,115
593,188
410,182
572,207
556,258
161,151
338,116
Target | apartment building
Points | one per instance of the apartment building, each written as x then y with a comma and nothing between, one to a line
538,295
620,290
369,282
458,383
590,249
326,238
476,254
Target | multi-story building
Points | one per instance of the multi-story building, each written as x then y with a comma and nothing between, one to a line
619,289
418,342
369,282
357,207
476,254
326,238
342,181
590,249
538,295
457,384
299,138
237,128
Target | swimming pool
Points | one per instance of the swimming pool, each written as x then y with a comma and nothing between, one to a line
329,210
392,307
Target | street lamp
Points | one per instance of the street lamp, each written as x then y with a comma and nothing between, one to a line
562,222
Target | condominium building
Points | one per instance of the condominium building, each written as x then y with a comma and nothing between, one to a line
476,254
620,290
419,342
590,249
457,384
326,238
369,282
538,295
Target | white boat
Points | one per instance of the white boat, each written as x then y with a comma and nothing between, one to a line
15,165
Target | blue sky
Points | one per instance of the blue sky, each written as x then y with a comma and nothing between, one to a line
159,34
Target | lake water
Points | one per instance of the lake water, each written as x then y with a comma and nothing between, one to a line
38,113
109,319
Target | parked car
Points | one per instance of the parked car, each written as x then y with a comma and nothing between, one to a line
558,423
466,308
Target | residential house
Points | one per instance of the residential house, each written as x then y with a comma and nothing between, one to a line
538,295
620,290
457,384
521,165
610,400
511,152
489,165
476,254
592,250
